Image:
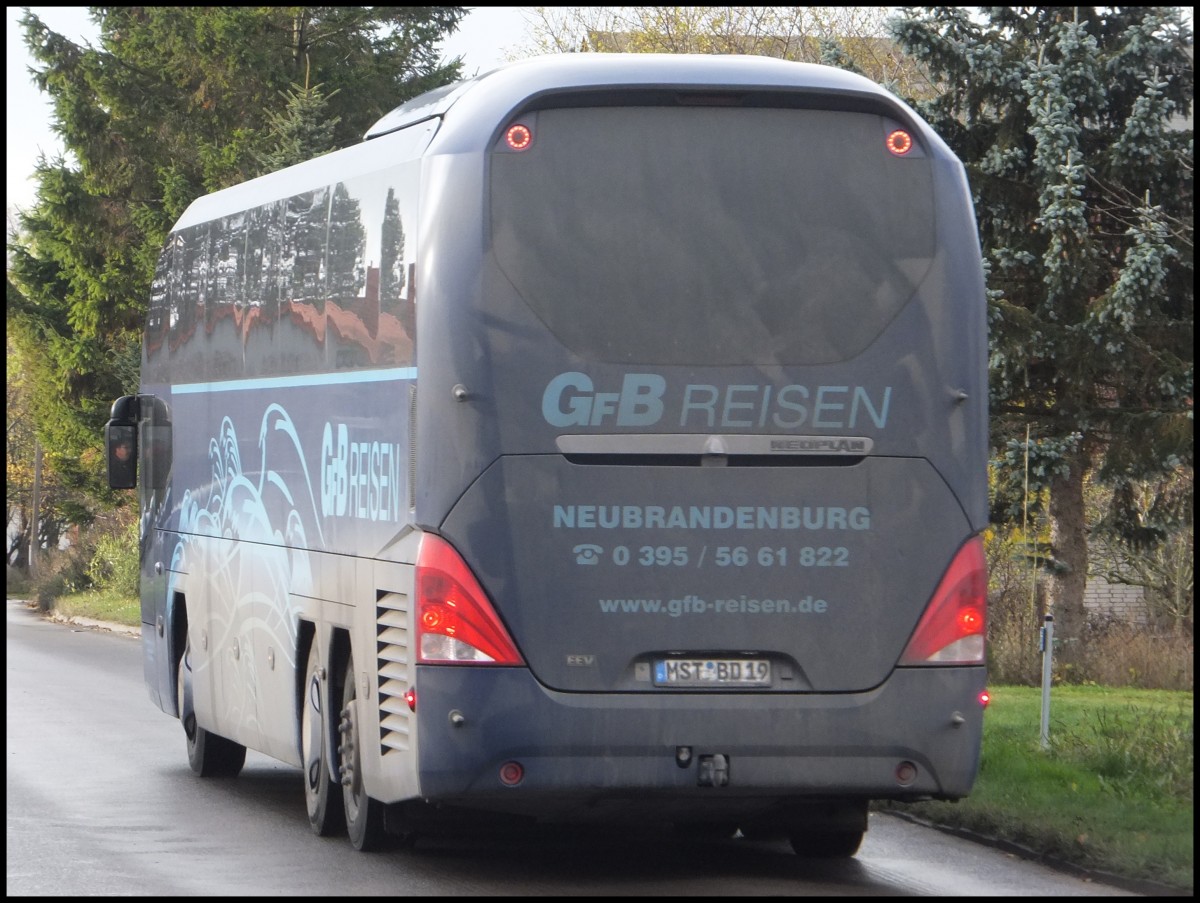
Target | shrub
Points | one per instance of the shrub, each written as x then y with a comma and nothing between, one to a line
114,564
103,557
61,572
1112,652
1014,617
1117,654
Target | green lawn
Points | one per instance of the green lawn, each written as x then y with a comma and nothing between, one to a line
101,605
1113,792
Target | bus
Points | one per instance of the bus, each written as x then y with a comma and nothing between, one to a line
602,440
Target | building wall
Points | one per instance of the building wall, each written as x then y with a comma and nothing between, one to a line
1106,600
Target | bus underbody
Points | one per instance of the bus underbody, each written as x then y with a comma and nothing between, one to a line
493,739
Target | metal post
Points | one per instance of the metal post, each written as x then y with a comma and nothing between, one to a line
1047,662
35,514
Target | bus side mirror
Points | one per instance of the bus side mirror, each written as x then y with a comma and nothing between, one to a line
120,443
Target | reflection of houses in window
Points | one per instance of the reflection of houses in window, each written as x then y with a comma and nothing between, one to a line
369,312
365,333
282,288
309,317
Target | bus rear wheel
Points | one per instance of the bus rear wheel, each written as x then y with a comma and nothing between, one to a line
364,816
322,795
209,755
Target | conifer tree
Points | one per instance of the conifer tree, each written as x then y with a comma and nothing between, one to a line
303,130
1071,121
172,103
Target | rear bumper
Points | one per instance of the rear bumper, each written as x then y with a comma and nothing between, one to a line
610,753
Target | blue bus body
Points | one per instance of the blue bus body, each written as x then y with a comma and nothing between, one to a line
603,438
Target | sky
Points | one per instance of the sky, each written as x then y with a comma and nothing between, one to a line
482,39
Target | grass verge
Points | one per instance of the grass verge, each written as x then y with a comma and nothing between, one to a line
1112,793
101,605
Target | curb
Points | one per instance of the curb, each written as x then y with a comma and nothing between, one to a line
92,624
1135,885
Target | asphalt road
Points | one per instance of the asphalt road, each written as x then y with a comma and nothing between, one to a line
100,801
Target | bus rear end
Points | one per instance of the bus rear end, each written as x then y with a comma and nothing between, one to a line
702,452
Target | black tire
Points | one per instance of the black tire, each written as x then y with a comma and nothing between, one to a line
322,795
364,816
826,844
209,755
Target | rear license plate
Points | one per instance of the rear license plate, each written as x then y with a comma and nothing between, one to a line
712,672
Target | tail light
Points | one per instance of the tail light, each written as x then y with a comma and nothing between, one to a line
455,621
518,137
899,142
951,631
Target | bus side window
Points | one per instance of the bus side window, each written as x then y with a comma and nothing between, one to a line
155,445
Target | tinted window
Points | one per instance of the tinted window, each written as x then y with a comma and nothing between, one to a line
712,235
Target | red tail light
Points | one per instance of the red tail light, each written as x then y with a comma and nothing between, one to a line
952,629
899,142
455,621
519,137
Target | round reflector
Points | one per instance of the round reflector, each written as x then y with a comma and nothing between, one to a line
518,137
432,617
511,773
899,142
